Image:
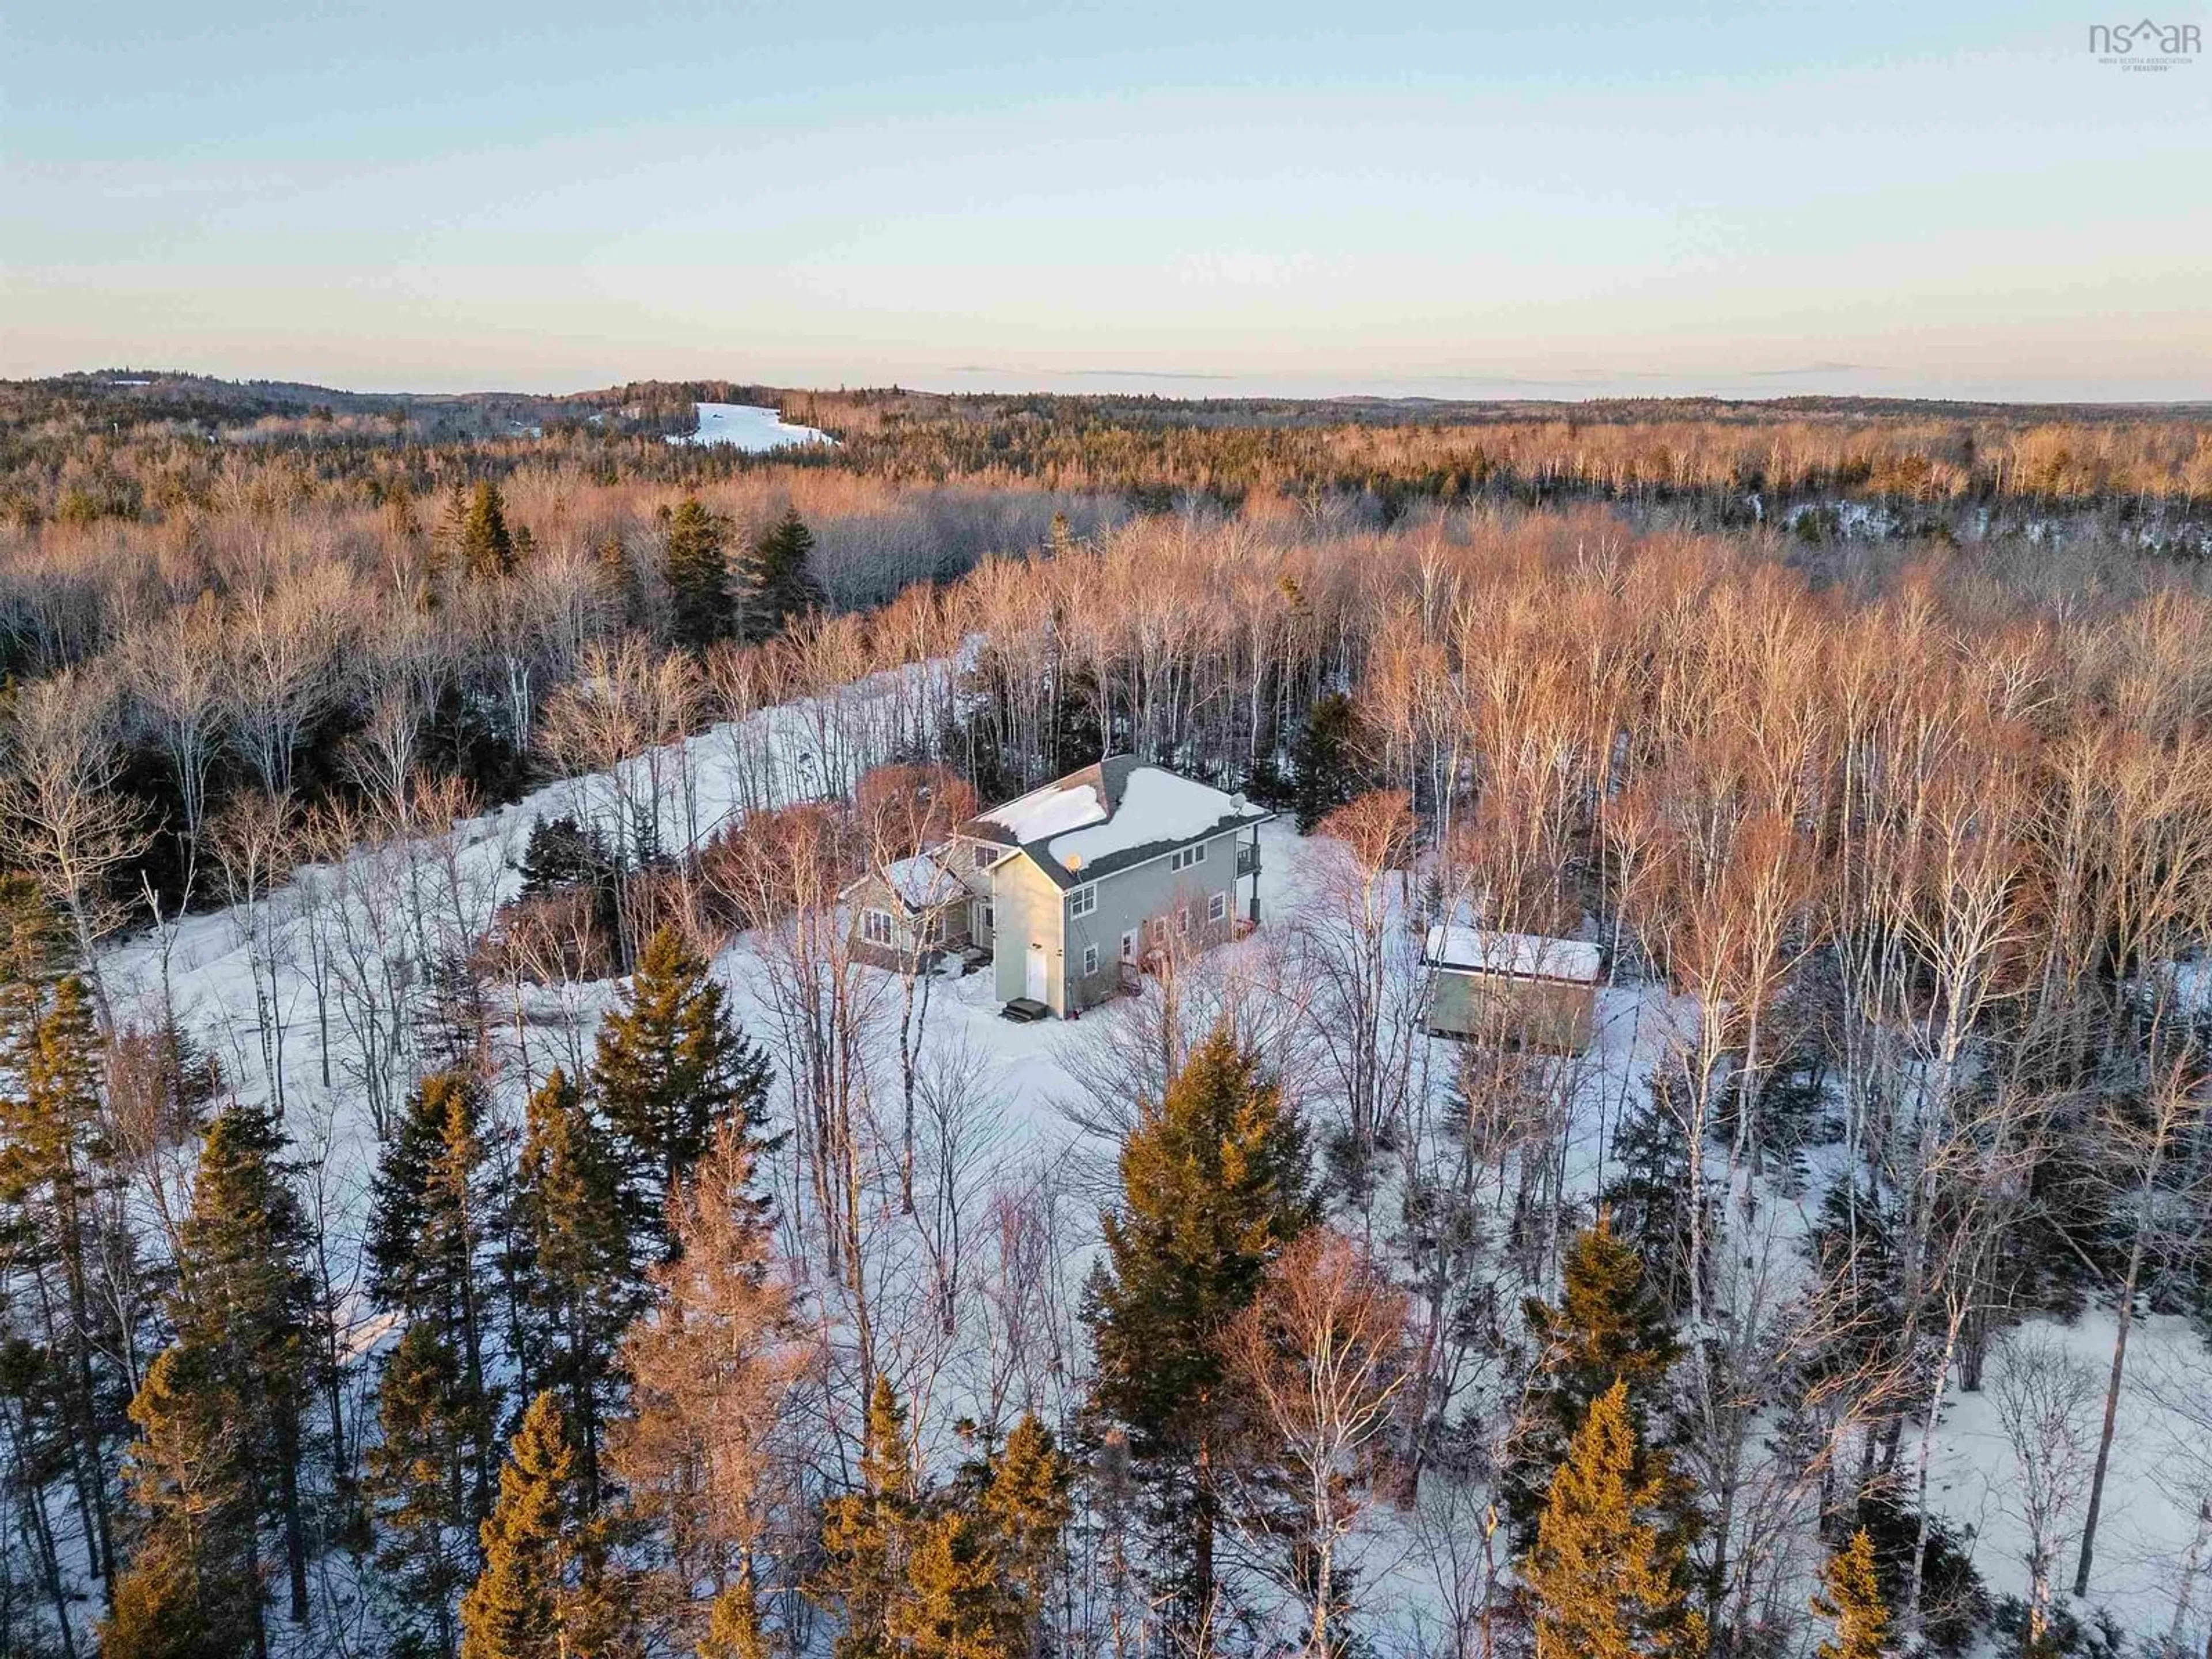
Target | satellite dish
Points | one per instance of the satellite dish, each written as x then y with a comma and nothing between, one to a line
1073,862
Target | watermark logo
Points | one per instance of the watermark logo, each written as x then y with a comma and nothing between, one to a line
2146,46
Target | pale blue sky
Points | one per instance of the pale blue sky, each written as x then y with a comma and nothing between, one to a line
1471,200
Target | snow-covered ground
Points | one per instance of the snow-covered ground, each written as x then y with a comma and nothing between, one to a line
229,970
748,427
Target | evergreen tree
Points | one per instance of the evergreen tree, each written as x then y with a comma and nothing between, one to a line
617,578
953,1604
1027,1509
733,1624
1850,1600
417,1474
486,548
427,1223
1606,1328
50,1151
1324,756
223,1425
1213,1181
1603,1577
776,579
191,1589
545,1591
868,1535
671,1064
702,609
580,1282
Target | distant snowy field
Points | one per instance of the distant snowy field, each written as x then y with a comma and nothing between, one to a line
748,427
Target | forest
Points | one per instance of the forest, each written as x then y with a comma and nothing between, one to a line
465,1195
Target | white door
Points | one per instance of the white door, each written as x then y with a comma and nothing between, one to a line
1035,983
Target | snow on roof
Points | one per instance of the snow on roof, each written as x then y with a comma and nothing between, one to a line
921,882
1156,806
1531,956
1051,810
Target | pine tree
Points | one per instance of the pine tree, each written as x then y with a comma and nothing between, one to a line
487,550
417,1474
671,1064
702,609
1850,1600
777,579
1213,1182
192,1587
617,577
580,1282
1603,1577
1324,756
868,1535
954,1604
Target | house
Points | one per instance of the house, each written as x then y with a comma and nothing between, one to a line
1522,988
909,913
1072,887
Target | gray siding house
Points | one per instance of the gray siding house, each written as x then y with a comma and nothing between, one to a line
1074,885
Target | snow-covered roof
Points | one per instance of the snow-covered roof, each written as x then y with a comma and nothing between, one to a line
1067,804
1525,956
920,883
1108,817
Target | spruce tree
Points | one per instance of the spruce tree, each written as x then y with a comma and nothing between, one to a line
192,1587
1213,1181
580,1278
777,579
512,1611
868,1535
547,1590
429,1218
702,609
50,1151
1324,756
1603,1577
486,548
734,1630
223,1423
1850,1600
1606,1328
417,1476
1027,1509
671,1064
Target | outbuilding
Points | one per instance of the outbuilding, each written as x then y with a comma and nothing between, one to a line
1520,988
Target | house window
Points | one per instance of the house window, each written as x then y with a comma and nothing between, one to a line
1183,920
876,926
1217,907
990,916
1089,958
1129,946
1083,901
1185,856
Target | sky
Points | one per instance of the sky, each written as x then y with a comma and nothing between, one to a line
1193,198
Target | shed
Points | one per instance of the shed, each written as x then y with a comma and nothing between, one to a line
1520,988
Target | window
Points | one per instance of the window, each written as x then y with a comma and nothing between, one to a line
876,926
1089,958
1183,920
1129,946
990,916
1217,908
1183,858
1083,901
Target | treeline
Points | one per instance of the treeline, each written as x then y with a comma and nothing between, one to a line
746,1320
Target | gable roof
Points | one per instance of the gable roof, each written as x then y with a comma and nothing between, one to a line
1109,817
919,883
